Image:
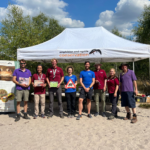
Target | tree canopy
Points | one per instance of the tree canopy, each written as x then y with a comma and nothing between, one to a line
142,31
116,32
142,34
19,31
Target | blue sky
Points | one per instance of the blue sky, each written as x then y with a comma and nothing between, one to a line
122,14
89,10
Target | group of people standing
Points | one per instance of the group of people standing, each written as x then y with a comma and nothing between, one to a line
90,80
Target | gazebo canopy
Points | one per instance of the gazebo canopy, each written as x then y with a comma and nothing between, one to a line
81,44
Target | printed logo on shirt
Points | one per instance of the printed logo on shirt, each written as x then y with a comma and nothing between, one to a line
50,71
101,72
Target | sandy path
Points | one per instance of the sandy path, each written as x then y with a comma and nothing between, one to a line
97,133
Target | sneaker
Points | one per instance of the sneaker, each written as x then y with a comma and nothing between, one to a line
103,114
134,119
35,117
78,117
26,116
116,116
49,116
42,115
17,118
128,116
69,116
96,114
111,117
62,116
72,115
89,115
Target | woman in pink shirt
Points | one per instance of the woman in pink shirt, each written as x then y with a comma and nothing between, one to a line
39,84
113,86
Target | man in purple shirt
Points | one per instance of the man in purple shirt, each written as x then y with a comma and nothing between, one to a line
22,79
128,87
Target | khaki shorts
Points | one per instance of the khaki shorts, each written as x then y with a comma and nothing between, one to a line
22,94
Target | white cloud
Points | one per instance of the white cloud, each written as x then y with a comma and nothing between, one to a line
125,15
71,23
3,13
52,8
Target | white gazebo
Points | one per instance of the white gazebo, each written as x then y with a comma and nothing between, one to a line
80,44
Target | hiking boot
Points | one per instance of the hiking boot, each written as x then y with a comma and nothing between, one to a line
96,114
69,116
78,117
128,116
111,117
62,116
35,117
103,114
116,116
17,118
42,115
26,116
49,116
134,119
89,116
72,115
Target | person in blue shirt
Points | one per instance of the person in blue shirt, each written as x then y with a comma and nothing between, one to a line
70,93
87,80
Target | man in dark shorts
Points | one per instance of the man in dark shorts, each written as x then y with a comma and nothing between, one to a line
22,79
87,80
55,76
128,87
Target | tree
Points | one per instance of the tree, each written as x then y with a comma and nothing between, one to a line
19,31
116,32
142,31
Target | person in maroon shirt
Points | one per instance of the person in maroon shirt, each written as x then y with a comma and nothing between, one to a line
113,86
39,92
55,74
99,88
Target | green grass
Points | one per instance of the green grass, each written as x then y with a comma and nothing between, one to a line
146,106
143,86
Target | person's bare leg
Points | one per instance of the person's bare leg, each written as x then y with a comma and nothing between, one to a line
134,110
88,105
128,116
18,107
127,109
25,106
80,106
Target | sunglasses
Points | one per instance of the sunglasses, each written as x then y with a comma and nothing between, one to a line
22,63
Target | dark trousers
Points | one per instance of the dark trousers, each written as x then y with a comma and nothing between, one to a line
114,101
58,92
71,102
